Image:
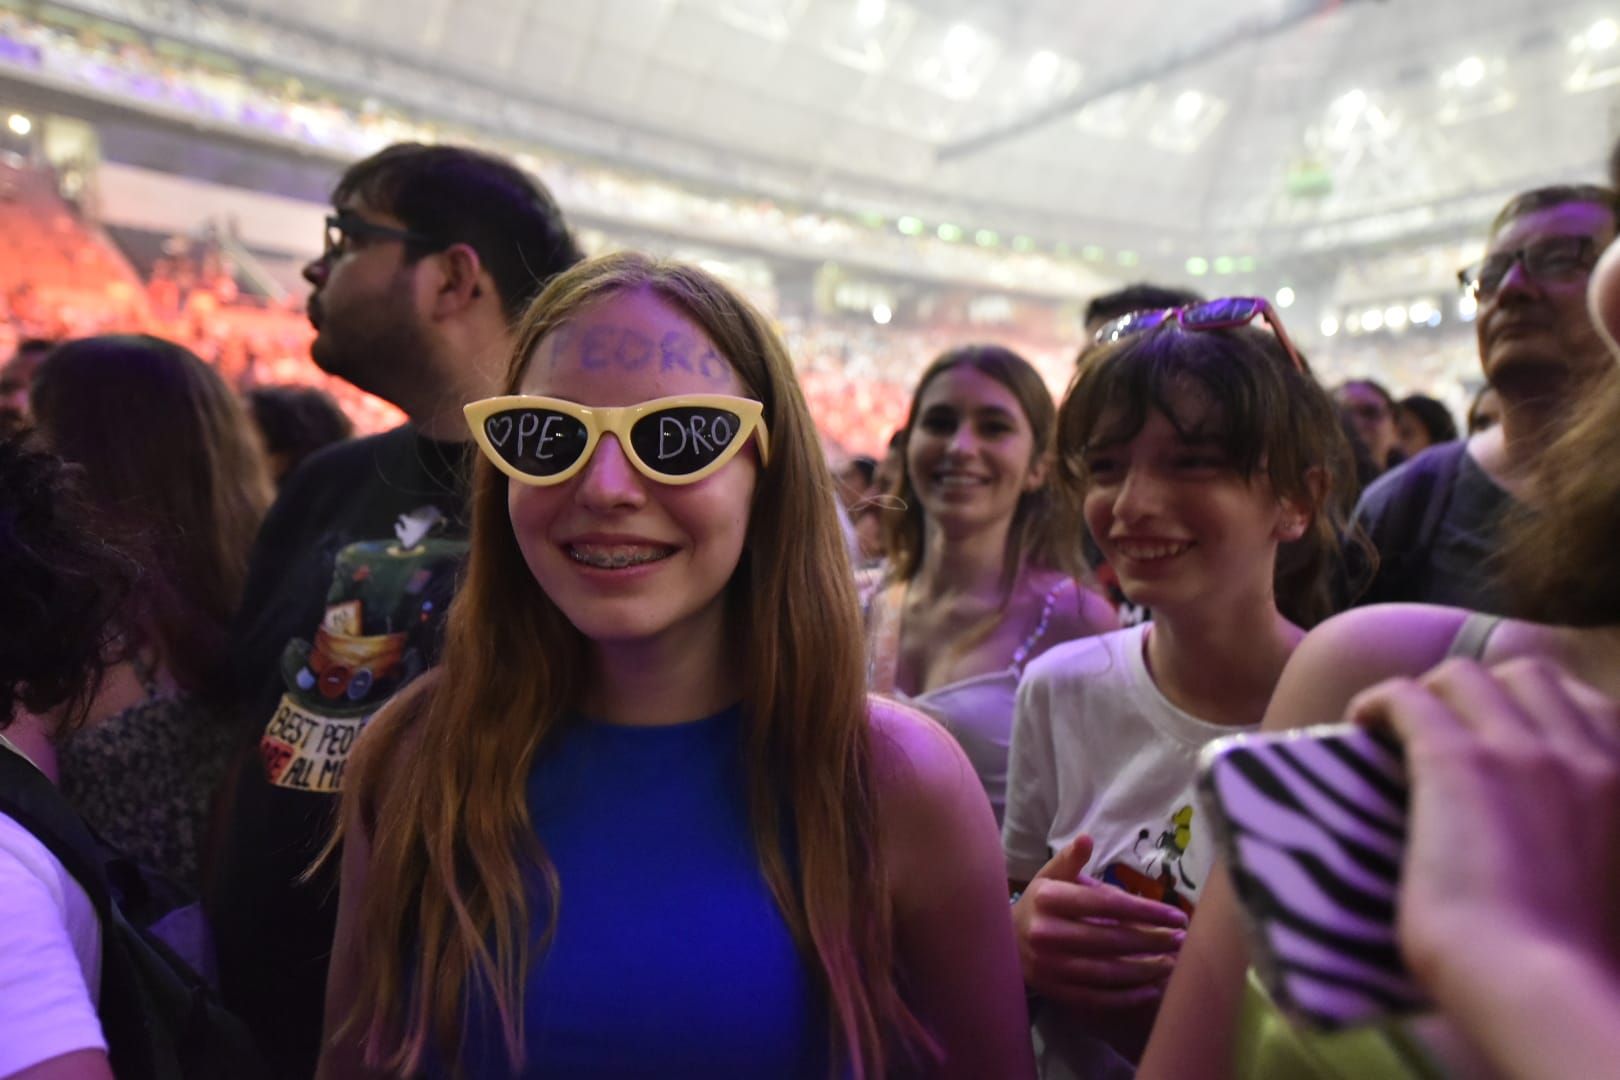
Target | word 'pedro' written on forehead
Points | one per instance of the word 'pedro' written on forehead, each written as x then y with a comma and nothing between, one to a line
622,348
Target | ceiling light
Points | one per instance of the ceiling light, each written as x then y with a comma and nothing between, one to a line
869,13
949,233
1352,323
1372,319
1285,298
1042,67
881,314
1092,253
961,45
1603,34
19,124
1353,102
1127,258
986,238
1197,267
1467,307
1188,106
1330,326
1395,317
910,226
1225,264
1421,312
1470,72
1023,243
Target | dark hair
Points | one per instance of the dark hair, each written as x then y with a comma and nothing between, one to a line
174,470
1142,296
35,344
297,420
1474,407
60,588
1434,416
1375,386
1269,417
461,196
1528,202
866,466
1030,539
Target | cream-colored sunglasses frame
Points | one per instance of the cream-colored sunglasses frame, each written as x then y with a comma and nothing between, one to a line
618,422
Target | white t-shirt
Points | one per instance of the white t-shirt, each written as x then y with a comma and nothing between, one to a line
1098,749
50,956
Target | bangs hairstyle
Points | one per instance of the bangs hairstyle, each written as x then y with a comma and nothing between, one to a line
1031,539
1270,419
440,784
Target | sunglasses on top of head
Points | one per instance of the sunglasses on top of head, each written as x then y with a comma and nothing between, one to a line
674,440
1227,313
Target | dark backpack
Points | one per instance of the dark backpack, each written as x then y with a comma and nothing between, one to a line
1407,532
160,1018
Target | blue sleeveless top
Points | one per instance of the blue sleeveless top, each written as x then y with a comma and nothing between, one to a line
670,957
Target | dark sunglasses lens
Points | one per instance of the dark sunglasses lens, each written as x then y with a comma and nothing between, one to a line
1135,323
1232,311
539,442
681,440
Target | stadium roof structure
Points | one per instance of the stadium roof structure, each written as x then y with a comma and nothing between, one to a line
1183,126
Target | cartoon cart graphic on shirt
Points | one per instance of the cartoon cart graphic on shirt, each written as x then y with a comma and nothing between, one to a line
380,630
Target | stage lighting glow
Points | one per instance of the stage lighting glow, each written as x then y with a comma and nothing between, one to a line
19,124
1285,298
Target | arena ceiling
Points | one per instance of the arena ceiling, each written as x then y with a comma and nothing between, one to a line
1200,123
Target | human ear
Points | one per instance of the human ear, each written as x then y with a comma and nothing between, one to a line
460,280
1295,515
1039,470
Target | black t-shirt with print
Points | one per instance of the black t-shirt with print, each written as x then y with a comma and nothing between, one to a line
344,601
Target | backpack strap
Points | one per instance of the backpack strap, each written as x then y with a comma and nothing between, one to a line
28,796
1474,635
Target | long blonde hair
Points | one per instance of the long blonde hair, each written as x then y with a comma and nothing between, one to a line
442,787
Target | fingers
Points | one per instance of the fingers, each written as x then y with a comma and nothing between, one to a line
1068,864
1559,706
1075,902
1058,935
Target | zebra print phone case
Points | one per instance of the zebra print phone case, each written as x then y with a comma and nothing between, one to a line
1312,825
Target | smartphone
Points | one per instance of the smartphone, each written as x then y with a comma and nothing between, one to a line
1311,825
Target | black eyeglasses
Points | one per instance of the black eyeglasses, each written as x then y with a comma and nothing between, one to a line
346,225
1551,260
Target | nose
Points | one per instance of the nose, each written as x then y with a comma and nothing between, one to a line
962,441
315,271
1516,283
1139,497
609,482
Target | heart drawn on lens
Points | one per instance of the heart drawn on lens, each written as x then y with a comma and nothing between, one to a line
499,429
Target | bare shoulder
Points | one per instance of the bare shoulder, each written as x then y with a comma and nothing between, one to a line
1350,652
911,750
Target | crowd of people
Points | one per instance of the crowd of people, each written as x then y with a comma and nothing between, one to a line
591,722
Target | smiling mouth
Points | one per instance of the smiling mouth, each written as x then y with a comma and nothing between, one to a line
617,556
1154,552
958,480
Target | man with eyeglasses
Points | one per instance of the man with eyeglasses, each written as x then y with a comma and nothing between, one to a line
1436,520
431,253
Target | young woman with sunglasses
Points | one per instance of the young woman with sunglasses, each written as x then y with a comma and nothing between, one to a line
1511,880
972,590
1203,457
644,820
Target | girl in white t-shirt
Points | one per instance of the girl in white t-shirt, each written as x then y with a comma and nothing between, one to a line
1204,458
